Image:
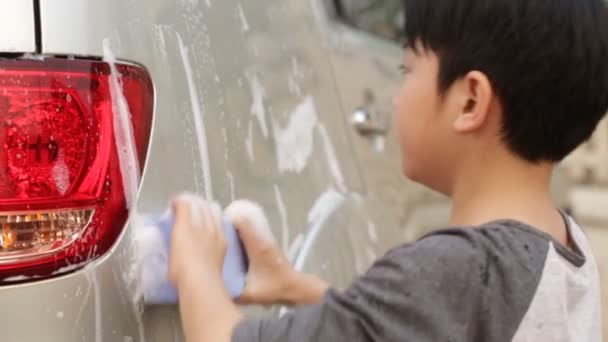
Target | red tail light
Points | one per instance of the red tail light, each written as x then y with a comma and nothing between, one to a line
61,196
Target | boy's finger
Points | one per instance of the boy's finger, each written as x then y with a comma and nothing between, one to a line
216,212
246,298
250,222
211,216
246,234
185,207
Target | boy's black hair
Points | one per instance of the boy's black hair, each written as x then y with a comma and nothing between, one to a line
547,61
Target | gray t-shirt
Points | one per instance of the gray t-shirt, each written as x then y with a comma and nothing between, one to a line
503,281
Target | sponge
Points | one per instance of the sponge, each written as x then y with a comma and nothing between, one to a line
153,239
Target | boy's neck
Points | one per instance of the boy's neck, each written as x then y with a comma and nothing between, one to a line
507,188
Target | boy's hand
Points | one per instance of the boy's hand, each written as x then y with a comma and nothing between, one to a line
198,245
270,277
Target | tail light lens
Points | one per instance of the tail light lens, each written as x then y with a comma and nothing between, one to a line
62,202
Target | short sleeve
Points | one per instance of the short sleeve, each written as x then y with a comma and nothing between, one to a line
431,290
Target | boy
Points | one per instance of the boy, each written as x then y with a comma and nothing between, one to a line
495,93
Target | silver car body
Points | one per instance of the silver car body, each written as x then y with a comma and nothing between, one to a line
253,100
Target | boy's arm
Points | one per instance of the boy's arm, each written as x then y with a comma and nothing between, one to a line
460,285
423,292
209,314
197,251
207,311
306,289
457,285
428,291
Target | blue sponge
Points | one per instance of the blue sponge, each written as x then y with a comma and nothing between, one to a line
153,238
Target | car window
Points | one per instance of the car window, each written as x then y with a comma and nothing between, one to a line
383,18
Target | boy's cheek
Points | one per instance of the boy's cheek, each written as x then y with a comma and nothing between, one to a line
408,133
407,168
419,149
409,152
402,116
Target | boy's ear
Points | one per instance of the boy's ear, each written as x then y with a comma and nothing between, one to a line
476,95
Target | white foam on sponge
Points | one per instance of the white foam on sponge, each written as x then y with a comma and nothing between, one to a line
152,249
252,213
153,245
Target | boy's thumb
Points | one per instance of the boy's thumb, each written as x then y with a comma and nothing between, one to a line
250,222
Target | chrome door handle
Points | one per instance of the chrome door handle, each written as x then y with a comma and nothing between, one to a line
367,122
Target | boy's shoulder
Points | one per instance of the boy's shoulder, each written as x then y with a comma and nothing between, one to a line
457,284
505,243
486,277
500,262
